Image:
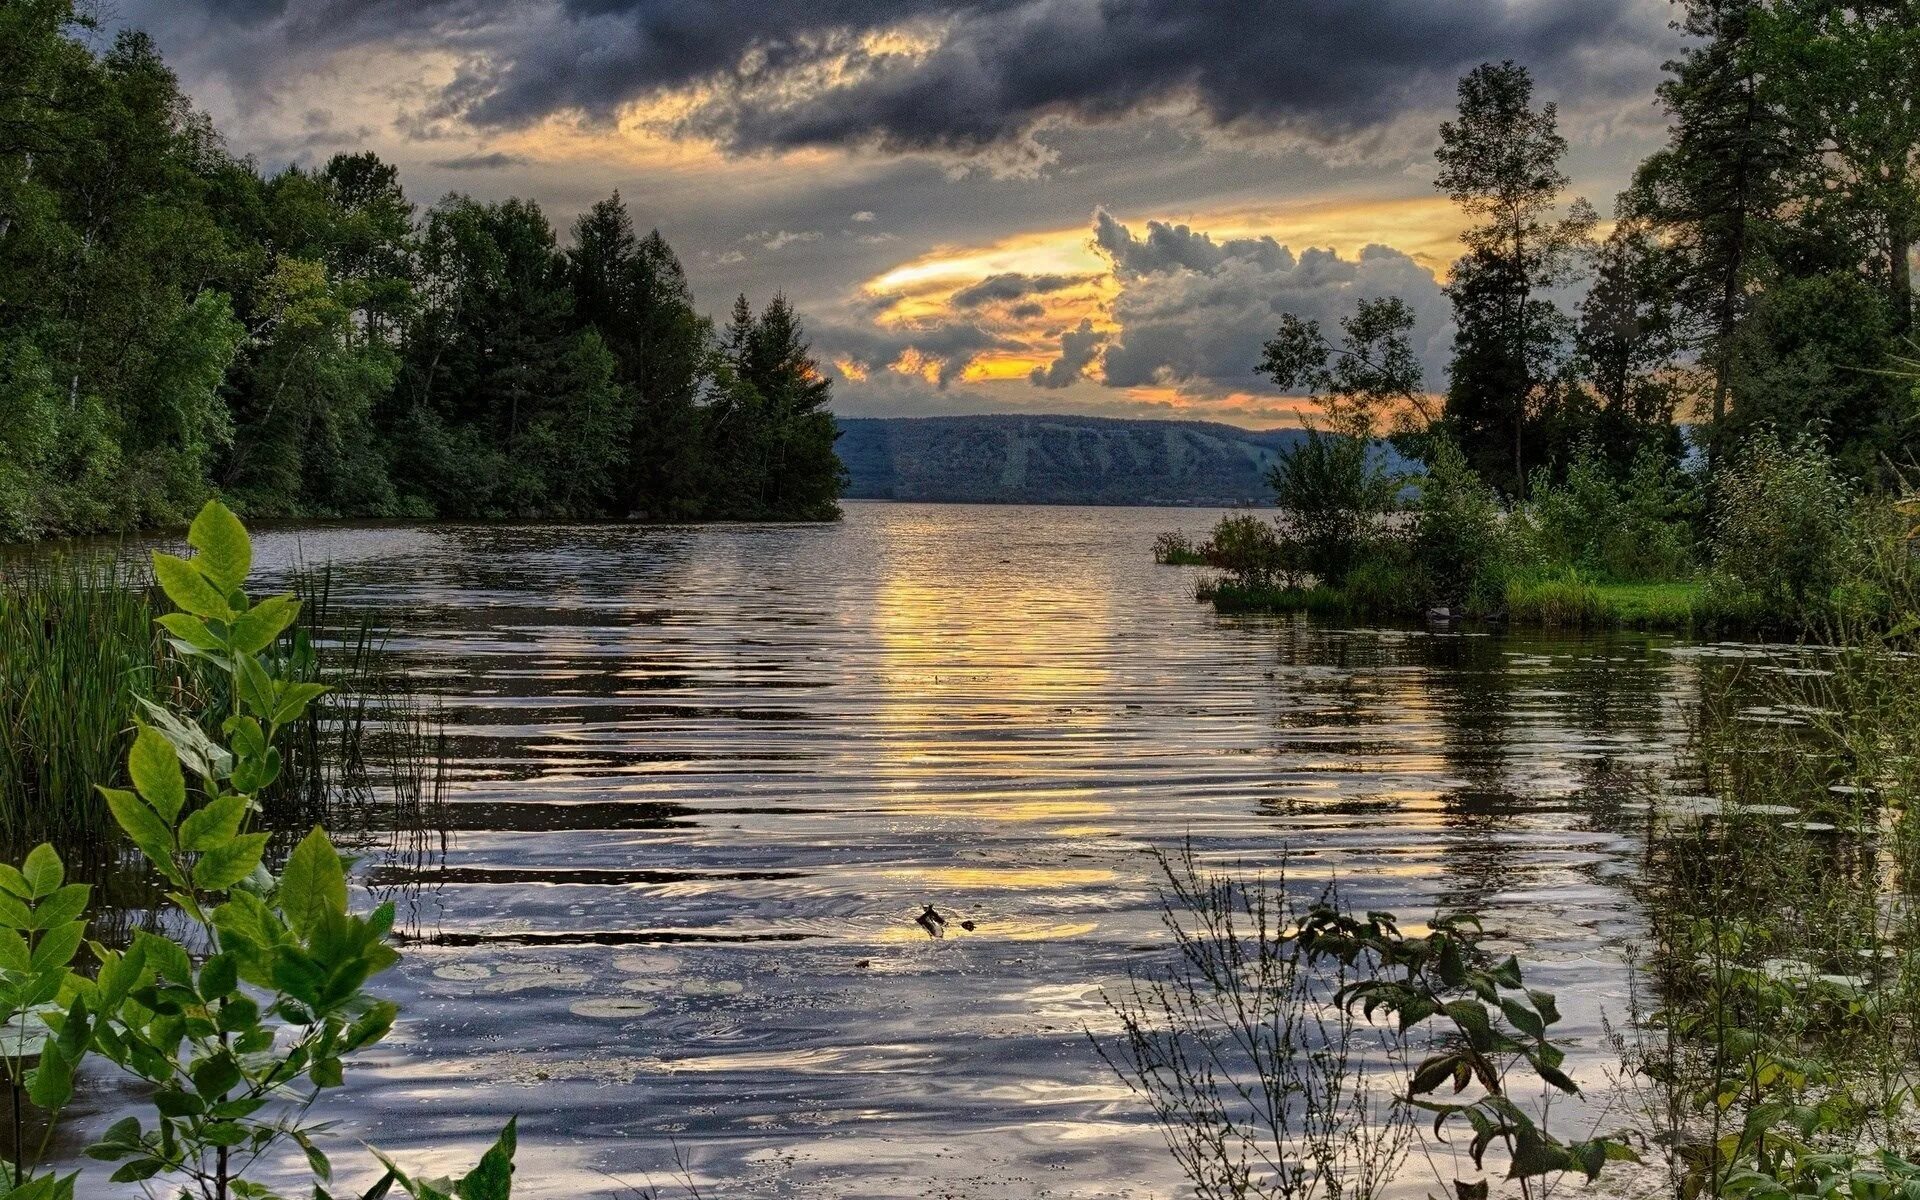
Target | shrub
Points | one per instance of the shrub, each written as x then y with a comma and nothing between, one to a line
1383,585
1461,547
1652,535
1634,530
1332,491
1786,533
1249,547
1175,549
1566,522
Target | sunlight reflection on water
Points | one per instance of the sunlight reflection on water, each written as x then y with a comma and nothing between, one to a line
709,776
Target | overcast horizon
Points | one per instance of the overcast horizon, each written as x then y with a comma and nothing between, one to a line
1051,206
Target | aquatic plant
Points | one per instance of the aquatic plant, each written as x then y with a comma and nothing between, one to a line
1176,549
243,1020
1495,1028
79,648
1261,1087
77,644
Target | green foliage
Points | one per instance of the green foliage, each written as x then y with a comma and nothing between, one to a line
1634,529
1461,547
1371,381
1565,601
1174,548
237,1037
1332,492
1497,1027
172,322
1500,162
1248,547
1784,533
77,644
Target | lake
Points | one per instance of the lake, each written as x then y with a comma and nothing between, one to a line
706,778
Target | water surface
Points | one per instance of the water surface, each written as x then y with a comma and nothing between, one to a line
707,776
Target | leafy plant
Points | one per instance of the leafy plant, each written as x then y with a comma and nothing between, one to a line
1497,1028
238,1027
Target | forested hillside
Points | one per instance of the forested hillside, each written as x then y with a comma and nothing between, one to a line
174,322
1058,460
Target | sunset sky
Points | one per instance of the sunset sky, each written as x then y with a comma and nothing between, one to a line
1092,206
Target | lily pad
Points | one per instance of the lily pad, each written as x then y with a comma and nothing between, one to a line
463,972
611,1008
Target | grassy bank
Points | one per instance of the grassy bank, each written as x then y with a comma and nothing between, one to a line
1541,602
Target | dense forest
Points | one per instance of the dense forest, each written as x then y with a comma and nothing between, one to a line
175,322
1756,275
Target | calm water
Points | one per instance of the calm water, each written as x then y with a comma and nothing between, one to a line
708,777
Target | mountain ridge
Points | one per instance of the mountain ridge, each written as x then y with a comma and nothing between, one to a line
1054,458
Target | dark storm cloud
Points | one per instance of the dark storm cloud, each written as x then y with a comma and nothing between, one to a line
481,162
1010,285
1078,348
950,345
1194,313
974,76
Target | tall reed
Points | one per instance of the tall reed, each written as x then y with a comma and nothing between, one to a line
78,648
77,644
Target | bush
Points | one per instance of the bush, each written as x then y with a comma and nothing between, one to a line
1383,585
1634,530
1175,549
1787,533
1462,551
1332,491
1249,547
1653,535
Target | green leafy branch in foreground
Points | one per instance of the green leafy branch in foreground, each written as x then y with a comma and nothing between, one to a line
1497,1026
241,1025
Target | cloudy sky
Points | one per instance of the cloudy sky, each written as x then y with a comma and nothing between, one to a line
1095,206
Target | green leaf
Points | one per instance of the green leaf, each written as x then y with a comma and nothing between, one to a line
218,977
254,686
226,553
293,698
50,1085
189,589
215,1075
493,1178
257,628
314,885
199,752
214,823
13,951
57,945
63,906
14,914
155,770
142,825
42,871
14,883
230,862
191,630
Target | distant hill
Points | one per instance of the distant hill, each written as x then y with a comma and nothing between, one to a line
1058,460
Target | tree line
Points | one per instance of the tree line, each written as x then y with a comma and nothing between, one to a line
1756,274
175,322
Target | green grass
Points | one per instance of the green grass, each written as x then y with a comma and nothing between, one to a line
78,646
1670,604
1566,601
